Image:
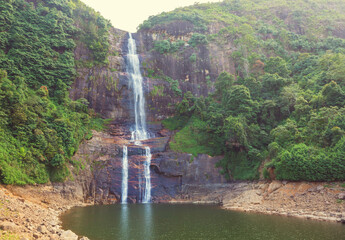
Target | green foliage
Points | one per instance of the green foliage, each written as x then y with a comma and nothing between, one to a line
301,162
175,123
192,58
40,127
174,85
93,31
284,102
192,138
223,83
166,46
277,65
157,91
197,39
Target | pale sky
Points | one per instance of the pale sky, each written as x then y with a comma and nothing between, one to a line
128,14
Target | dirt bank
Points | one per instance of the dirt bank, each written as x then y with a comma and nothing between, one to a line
319,201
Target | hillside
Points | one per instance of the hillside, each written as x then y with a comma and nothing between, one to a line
259,82
40,126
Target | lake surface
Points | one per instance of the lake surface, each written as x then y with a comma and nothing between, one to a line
197,222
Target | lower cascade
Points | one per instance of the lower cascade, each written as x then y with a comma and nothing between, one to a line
124,185
147,193
139,132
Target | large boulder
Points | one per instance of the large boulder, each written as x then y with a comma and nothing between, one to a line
68,235
8,226
274,185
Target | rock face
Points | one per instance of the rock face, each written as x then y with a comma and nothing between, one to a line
105,87
169,170
195,68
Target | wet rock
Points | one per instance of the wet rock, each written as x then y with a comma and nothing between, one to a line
68,235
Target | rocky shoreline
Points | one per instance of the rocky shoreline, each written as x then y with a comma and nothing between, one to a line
32,212
317,201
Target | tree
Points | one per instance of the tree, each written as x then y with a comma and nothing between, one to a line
277,65
272,84
223,83
333,95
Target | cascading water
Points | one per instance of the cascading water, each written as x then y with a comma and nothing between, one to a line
139,133
124,192
133,68
147,194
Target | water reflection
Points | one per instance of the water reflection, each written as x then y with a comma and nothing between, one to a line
124,222
187,222
148,220
139,220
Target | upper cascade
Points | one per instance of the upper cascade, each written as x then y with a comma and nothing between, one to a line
133,69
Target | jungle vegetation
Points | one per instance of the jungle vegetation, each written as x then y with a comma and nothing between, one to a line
40,126
284,106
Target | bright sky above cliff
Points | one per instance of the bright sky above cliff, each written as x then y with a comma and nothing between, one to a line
128,14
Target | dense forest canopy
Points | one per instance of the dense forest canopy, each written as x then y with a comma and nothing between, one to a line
40,127
284,104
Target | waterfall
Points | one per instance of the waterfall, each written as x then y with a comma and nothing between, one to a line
124,192
133,69
147,194
139,133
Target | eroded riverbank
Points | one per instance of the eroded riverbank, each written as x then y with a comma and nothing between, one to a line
318,201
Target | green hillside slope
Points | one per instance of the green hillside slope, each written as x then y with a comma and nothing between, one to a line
40,127
283,105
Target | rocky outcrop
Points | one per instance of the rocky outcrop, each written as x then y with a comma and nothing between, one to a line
195,68
105,87
169,170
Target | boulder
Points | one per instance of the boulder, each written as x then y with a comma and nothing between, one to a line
341,196
42,229
68,235
54,237
274,186
8,226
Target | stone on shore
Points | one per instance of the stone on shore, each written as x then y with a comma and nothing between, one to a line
8,226
68,235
